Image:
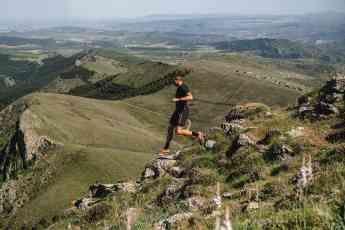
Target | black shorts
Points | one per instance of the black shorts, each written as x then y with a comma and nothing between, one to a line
179,118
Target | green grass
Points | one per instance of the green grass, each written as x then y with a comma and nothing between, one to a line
93,123
105,66
280,207
102,141
215,87
78,167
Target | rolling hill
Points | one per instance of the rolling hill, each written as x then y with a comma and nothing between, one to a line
110,126
216,82
92,140
272,48
262,168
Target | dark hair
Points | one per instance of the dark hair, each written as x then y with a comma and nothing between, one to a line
179,78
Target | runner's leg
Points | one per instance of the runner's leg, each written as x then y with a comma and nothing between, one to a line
170,136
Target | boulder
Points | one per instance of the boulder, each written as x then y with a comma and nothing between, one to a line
270,135
327,108
149,173
177,171
97,212
210,144
172,191
84,203
232,128
196,203
160,166
252,206
305,110
296,132
101,190
278,152
233,195
128,187
244,140
173,221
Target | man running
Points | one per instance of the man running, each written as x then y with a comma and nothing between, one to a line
179,118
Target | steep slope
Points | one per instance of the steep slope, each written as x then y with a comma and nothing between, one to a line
263,169
65,143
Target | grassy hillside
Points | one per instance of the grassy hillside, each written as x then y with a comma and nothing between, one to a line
112,139
31,77
218,84
271,172
19,41
272,48
101,140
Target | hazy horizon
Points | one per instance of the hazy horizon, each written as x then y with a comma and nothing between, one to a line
107,9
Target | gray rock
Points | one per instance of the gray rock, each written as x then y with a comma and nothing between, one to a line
232,128
327,108
159,167
9,82
296,132
174,188
210,144
252,206
177,171
129,187
85,203
270,135
196,203
244,140
101,190
173,221
304,109
279,152
166,164
149,173
233,195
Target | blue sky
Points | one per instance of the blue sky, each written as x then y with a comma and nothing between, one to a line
49,9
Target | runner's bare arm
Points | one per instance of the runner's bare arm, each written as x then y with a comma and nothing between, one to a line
189,97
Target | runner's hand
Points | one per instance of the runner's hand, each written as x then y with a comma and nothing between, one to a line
175,100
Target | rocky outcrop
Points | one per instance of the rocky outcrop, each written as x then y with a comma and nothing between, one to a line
270,135
278,152
247,111
325,102
15,193
232,128
99,191
9,82
161,166
23,148
174,220
166,167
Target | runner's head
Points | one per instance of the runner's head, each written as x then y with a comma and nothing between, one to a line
178,80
